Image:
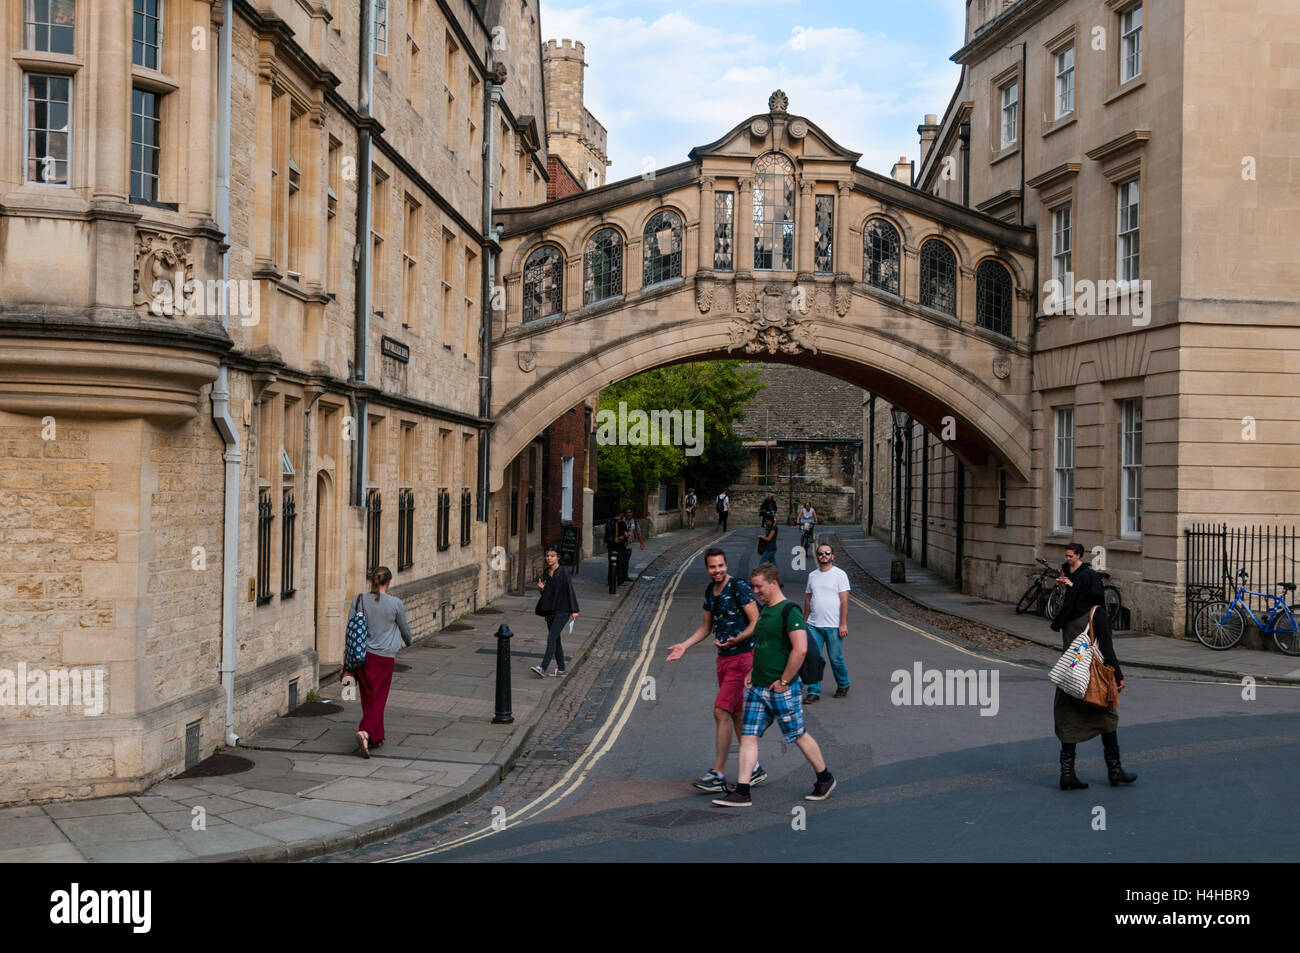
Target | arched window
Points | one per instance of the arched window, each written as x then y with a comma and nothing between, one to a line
880,258
602,267
543,283
938,277
661,248
993,298
774,213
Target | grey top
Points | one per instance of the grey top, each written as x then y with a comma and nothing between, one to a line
385,624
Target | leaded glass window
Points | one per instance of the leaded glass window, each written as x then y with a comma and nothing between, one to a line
48,25
938,277
774,213
993,298
880,256
602,267
661,247
543,283
823,237
49,105
724,230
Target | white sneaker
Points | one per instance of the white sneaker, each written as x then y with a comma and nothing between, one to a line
558,673
537,670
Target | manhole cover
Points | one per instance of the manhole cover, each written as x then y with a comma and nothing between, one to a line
401,667
457,627
313,709
678,818
218,765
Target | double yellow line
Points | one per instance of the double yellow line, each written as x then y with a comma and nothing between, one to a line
600,745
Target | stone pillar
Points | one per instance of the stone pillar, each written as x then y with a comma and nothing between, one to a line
965,294
910,283
314,170
803,236
110,78
706,224
263,198
744,259
195,166
842,258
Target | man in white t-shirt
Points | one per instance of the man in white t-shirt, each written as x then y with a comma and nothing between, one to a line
826,608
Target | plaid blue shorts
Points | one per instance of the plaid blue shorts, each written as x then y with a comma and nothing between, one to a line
762,706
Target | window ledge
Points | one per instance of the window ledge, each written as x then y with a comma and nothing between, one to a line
1056,125
1005,153
153,80
1125,544
1137,82
41,61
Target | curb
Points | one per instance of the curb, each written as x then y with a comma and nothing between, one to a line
1154,666
487,778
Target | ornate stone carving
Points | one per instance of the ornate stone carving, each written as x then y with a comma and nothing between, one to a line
843,297
704,294
797,129
706,183
805,185
164,264
778,102
1001,368
760,128
744,297
772,328
527,360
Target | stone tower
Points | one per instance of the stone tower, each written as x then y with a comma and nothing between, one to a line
572,132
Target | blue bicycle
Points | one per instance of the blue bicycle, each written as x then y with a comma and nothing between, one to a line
1220,624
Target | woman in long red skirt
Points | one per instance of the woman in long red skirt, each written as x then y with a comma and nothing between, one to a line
385,624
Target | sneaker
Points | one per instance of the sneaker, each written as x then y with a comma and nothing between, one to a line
841,692
734,799
537,670
558,673
711,783
759,775
820,791
809,699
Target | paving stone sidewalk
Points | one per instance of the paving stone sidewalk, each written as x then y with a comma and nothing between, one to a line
1154,651
308,790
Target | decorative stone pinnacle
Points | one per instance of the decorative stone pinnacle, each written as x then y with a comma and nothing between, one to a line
778,102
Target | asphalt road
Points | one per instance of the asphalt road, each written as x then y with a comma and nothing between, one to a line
1217,773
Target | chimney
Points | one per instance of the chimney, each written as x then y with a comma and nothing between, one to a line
902,170
929,131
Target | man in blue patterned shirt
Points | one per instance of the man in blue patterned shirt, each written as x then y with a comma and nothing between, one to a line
729,613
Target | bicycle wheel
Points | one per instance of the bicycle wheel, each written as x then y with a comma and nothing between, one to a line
1287,640
1219,625
1054,603
1030,598
1114,602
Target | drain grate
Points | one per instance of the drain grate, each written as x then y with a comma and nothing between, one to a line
314,709
217,766
681,818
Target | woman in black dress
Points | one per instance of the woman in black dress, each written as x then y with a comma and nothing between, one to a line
1075,720
559,605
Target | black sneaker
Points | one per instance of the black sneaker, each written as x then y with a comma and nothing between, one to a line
811,699
734,799
759,775
821,791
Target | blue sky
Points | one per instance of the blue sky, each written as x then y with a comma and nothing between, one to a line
664,77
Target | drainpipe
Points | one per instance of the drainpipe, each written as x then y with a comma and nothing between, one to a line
496,75
221,389
361,255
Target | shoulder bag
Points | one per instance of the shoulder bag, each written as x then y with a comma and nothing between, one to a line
354,642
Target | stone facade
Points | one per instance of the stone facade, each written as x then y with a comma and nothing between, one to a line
572,132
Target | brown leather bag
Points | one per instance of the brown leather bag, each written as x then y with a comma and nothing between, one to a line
1102,691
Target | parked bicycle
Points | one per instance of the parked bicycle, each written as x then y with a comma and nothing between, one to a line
1220,624
1043,596
1114,601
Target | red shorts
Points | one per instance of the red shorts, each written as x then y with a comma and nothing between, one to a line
732,670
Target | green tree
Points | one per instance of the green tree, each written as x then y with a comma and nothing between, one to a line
723,390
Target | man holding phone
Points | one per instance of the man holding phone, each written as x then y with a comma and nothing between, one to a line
730,613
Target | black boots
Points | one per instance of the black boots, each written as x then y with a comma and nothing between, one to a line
1113,768
1069,780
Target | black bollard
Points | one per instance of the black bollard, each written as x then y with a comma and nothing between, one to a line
504,715
613,571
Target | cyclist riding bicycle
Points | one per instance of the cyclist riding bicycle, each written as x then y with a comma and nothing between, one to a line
807,520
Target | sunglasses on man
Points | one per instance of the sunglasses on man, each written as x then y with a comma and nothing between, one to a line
824,553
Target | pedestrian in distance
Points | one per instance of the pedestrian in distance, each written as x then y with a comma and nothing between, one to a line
730,612
826,608
385,628
691,502
723,506
807,520
631,531
767,509
1074,719
772,690
767,541
558,605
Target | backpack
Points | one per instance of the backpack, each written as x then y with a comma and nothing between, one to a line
814,666
720,505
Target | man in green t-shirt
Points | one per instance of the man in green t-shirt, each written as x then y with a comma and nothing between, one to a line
772,690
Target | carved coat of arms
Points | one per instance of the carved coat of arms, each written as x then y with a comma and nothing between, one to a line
772,328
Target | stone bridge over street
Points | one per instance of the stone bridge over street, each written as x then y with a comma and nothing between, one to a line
772,244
